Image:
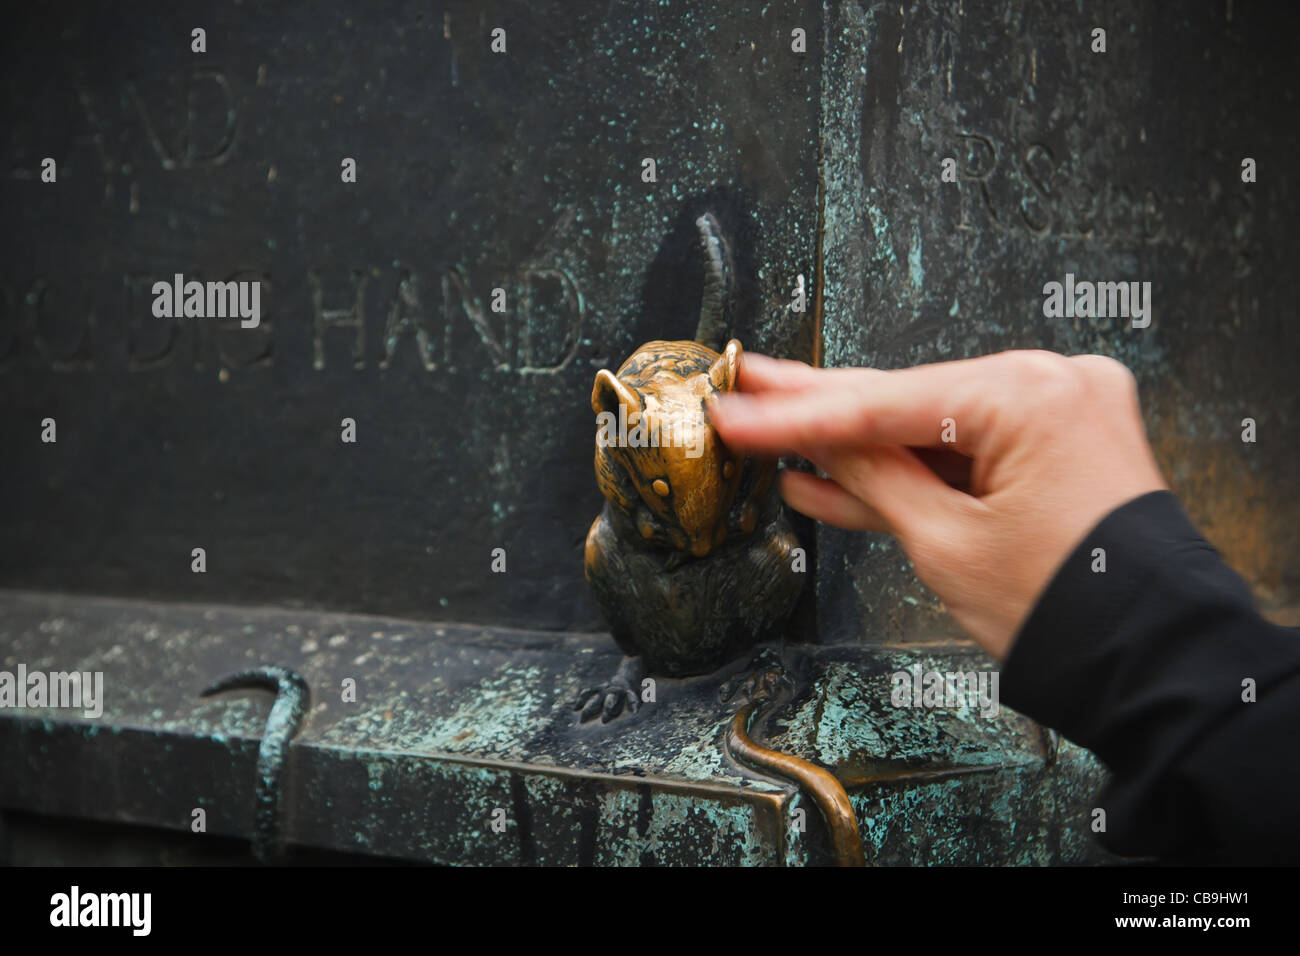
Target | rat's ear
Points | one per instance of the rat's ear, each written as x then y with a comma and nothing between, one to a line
724,372
609,392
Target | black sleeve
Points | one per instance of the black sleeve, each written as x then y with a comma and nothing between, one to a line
1148,665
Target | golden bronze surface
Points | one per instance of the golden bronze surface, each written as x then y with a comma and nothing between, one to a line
821,785
691,560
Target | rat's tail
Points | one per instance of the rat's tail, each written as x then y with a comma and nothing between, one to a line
292,696
715,304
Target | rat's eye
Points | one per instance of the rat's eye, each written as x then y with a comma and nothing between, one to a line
661,487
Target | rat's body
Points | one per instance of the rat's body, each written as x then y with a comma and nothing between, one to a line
691,578
691,559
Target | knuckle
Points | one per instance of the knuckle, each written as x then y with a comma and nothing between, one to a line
1110,385
1106,373
1037,367
1051,378
864,419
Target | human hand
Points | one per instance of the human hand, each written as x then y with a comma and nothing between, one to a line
989,471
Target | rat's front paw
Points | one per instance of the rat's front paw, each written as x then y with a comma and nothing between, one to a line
612,697
608,700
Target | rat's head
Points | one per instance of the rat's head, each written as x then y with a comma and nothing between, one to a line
658,460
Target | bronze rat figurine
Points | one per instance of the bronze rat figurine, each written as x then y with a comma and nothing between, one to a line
691,560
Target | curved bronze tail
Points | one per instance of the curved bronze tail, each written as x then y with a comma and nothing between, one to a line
292,696
829,795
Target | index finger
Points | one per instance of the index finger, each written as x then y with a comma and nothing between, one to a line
946,405
762,373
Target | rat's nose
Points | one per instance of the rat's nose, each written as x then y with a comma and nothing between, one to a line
698,516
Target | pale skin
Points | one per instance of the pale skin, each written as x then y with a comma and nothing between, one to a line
1042,448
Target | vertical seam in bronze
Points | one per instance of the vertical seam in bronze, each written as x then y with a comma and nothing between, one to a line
820,238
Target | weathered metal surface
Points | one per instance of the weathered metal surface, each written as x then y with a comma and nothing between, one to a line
817,783
287,711
522,171
476,170
1123,165
452,723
